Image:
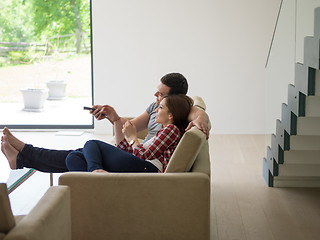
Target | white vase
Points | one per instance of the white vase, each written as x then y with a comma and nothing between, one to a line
34,99
57,90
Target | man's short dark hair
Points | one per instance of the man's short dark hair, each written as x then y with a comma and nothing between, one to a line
177,82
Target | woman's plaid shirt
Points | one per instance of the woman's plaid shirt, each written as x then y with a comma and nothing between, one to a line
161,148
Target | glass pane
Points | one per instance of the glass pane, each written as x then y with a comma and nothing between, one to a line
279,73
281,65
296,21
45,63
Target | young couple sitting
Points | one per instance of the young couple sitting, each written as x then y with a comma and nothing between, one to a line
166,120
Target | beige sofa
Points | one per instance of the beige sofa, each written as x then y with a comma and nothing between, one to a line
48,220
173,205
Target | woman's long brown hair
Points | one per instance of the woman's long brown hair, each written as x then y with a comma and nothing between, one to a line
179,106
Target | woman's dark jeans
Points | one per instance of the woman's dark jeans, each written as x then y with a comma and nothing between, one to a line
100,155
42,159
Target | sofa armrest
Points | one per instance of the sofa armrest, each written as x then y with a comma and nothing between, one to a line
50,219
139,205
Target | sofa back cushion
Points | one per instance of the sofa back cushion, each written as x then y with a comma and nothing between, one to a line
202,162
7,221
187,151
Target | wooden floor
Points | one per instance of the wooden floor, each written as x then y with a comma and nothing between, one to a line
243,207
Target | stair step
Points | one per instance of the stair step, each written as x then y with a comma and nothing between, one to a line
313,106
296,181
298,142
299,170
316,31
301,78
302,157
293,99
289,120
308,126
305,79
317,88
266,173
274,149
271,162
311,52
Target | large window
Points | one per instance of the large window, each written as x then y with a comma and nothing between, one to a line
45,63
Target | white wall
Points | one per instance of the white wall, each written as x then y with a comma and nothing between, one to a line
220,46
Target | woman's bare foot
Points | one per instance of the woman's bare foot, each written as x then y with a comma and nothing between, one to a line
10,152
15,142
2,149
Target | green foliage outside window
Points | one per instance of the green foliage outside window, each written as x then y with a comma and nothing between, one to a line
16,21
32,26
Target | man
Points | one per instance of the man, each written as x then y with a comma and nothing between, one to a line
20,154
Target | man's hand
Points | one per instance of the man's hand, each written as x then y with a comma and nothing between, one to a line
105,111
201,124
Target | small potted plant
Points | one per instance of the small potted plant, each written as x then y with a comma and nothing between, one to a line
34,97
58,88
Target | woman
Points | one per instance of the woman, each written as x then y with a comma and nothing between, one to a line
130,156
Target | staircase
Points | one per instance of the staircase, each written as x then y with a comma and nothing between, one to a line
293,160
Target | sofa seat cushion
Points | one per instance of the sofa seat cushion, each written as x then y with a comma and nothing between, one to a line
2,235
